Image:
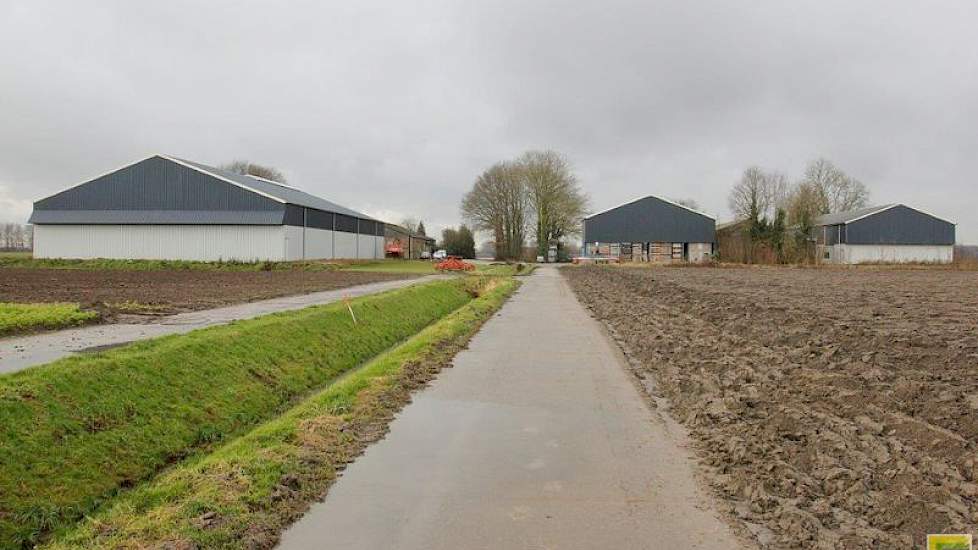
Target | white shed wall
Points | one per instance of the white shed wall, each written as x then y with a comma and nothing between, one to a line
379,247
345,245
319,244
293,242
161,242
886,253
365,246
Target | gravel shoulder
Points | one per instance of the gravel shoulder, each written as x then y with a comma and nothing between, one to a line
835,408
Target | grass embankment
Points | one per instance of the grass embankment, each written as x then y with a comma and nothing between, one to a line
76,431
246,492
16,318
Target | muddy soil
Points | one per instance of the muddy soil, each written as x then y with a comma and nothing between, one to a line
831,408
115,292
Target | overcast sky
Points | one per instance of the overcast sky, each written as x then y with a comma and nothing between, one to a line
394,108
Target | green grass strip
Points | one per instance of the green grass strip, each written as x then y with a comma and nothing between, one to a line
76,431
25,317
246,492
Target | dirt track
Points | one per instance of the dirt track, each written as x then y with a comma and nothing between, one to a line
170,291
835,408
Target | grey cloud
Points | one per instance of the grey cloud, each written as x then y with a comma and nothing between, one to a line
395,107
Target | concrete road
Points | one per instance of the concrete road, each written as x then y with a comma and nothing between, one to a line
27,351
537,438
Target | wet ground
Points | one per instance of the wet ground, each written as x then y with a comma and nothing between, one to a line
537,438
837,408
115,292
18,353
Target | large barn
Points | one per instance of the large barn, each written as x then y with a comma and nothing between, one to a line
650,229
167,208
892,233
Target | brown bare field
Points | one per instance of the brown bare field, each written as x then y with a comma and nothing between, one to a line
169,291
831,408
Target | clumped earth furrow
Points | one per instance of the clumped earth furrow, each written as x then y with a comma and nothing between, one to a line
170,291
835,409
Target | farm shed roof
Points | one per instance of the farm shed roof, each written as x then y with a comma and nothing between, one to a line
890,224
168,190
650,219
279,191
645,198
847,216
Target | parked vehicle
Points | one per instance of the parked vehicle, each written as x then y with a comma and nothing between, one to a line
440,255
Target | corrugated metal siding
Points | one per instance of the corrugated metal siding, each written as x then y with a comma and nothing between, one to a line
649,220
153,242
174,217
900,225
319,219
285,193
365,246
346,224
345,246
157,184
319,244
379,247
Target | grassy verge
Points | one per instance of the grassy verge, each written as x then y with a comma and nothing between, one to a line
16,318
245,493
389,266
76,431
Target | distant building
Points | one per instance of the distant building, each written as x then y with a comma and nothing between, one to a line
892,233
650,229
400,242
167,208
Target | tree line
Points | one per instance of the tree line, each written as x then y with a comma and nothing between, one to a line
534,196
15,236
780,216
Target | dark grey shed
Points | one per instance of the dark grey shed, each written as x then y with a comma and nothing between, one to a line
891,224
165,190
650,219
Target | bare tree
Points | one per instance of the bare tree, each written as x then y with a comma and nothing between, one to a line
244,167
555,197
497,203
836,190
748,197
410,223
759,194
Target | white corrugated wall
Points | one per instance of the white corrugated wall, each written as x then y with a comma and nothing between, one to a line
346,245
890,253
158,242
319,244
365,246
379,247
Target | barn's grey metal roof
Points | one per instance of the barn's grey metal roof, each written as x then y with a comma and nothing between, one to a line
278,191
168,217
650,219
847,216
646,197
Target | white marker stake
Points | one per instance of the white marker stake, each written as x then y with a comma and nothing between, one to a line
346,300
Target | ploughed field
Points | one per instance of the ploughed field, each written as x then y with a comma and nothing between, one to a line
114,291
832,408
